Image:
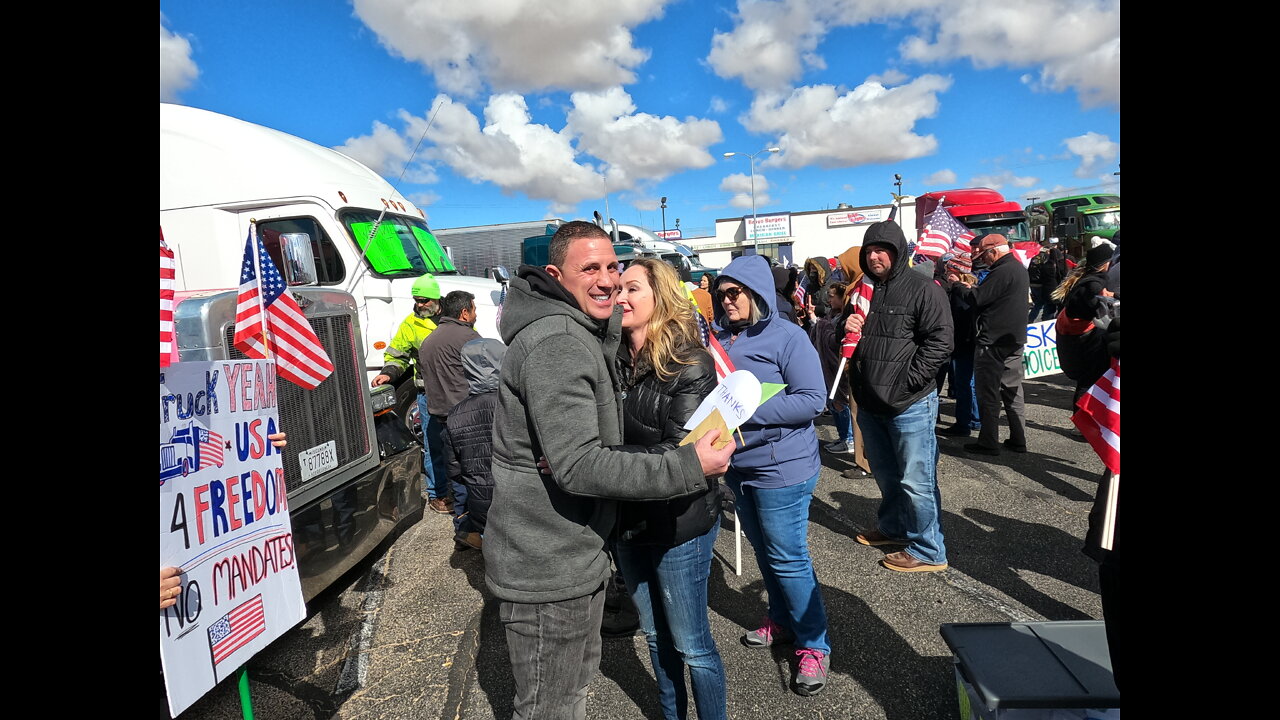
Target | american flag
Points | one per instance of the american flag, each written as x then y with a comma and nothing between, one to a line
209,446
724,365
166,302
1098,417
944,234
860,298
297,351
235,629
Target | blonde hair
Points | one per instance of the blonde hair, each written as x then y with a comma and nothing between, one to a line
671,335
1060,294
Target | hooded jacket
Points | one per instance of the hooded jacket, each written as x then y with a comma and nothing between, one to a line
468,437
907,335
781,446
557,398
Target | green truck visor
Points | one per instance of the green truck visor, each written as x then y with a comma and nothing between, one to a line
401,246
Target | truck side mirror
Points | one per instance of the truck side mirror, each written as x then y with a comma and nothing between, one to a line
500,274
299,259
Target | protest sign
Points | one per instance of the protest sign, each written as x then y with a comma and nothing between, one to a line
730,404
224,521
1040,354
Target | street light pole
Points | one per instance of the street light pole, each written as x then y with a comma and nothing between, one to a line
752,158
664,217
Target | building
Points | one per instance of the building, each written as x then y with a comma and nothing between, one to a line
793,237
477,248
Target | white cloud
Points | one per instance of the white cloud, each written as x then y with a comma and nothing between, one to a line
423,199
517,155
638,146
1092,148
1073,44
999,180
891,76
516,45
769,46
177,69
942,177
385,151
869,124
509,151
718,105
847,188
740,185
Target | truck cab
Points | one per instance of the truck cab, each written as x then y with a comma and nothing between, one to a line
218,174
982,210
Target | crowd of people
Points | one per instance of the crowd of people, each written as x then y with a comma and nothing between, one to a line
561,450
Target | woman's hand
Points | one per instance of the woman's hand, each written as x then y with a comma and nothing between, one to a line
170,586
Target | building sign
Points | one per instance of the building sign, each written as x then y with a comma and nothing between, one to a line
224,523
766,227
856,217
668,234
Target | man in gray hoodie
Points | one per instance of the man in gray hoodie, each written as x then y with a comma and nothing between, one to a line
544,544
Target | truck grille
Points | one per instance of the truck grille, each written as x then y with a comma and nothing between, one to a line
333,411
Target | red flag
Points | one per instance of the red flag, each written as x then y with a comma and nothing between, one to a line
299,356
166,302
1025,250
1098,417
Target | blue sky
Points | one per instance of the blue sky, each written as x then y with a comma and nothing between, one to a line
541,104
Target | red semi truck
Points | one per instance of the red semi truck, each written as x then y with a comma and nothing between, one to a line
982,210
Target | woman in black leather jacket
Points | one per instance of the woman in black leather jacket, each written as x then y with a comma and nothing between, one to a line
664,547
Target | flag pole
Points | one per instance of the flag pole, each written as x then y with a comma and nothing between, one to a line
242,682
257,271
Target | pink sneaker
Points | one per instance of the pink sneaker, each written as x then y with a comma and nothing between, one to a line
766,635
811,671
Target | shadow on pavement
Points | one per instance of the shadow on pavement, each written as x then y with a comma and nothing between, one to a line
1028,546
904,684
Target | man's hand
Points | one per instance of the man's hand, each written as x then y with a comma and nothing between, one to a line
854,323
714,462
170,586
381,380
278,439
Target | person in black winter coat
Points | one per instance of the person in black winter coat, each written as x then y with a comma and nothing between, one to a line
1086,305
664,547
1000,301
468,437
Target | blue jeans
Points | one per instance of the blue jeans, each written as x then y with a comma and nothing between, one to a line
843,420
903,452
776,522
962,383
437,478
669,587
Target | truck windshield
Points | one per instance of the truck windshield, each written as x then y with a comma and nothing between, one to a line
402,245
1103,221
1014,231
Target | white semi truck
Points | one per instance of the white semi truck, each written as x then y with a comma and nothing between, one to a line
218,173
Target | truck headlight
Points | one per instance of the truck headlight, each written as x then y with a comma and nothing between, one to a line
384,398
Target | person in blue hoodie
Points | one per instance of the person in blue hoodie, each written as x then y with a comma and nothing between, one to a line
774,471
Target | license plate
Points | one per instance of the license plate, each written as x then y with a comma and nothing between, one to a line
318,460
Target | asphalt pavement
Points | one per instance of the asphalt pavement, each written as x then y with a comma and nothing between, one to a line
413,633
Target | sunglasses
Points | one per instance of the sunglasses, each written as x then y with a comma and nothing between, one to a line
731,293
422,301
